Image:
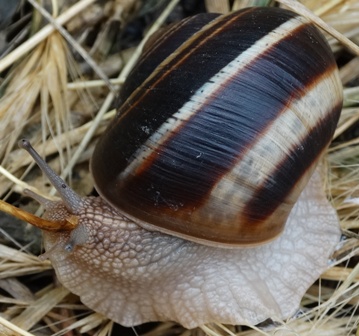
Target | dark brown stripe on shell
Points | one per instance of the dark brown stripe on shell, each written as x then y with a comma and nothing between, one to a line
290,171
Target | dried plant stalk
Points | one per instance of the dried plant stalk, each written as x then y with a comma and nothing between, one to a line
40,76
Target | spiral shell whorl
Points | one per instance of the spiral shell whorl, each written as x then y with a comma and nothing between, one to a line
220,139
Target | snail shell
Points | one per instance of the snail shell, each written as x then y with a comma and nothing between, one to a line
231,116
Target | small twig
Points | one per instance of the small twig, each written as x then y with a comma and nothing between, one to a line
65,225
14,179
55,8
20,185
96,83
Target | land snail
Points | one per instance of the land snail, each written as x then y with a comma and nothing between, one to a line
211,206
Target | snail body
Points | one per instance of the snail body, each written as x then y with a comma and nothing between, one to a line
133,275
213,149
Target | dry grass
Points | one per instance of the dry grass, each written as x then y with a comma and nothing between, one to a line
64,118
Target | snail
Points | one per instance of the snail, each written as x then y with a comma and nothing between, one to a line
211,208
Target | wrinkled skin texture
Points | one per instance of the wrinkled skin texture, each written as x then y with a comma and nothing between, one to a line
133,276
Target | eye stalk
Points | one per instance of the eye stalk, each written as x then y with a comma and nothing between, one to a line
72,201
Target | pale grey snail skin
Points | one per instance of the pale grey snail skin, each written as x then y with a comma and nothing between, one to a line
132,275
133,270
